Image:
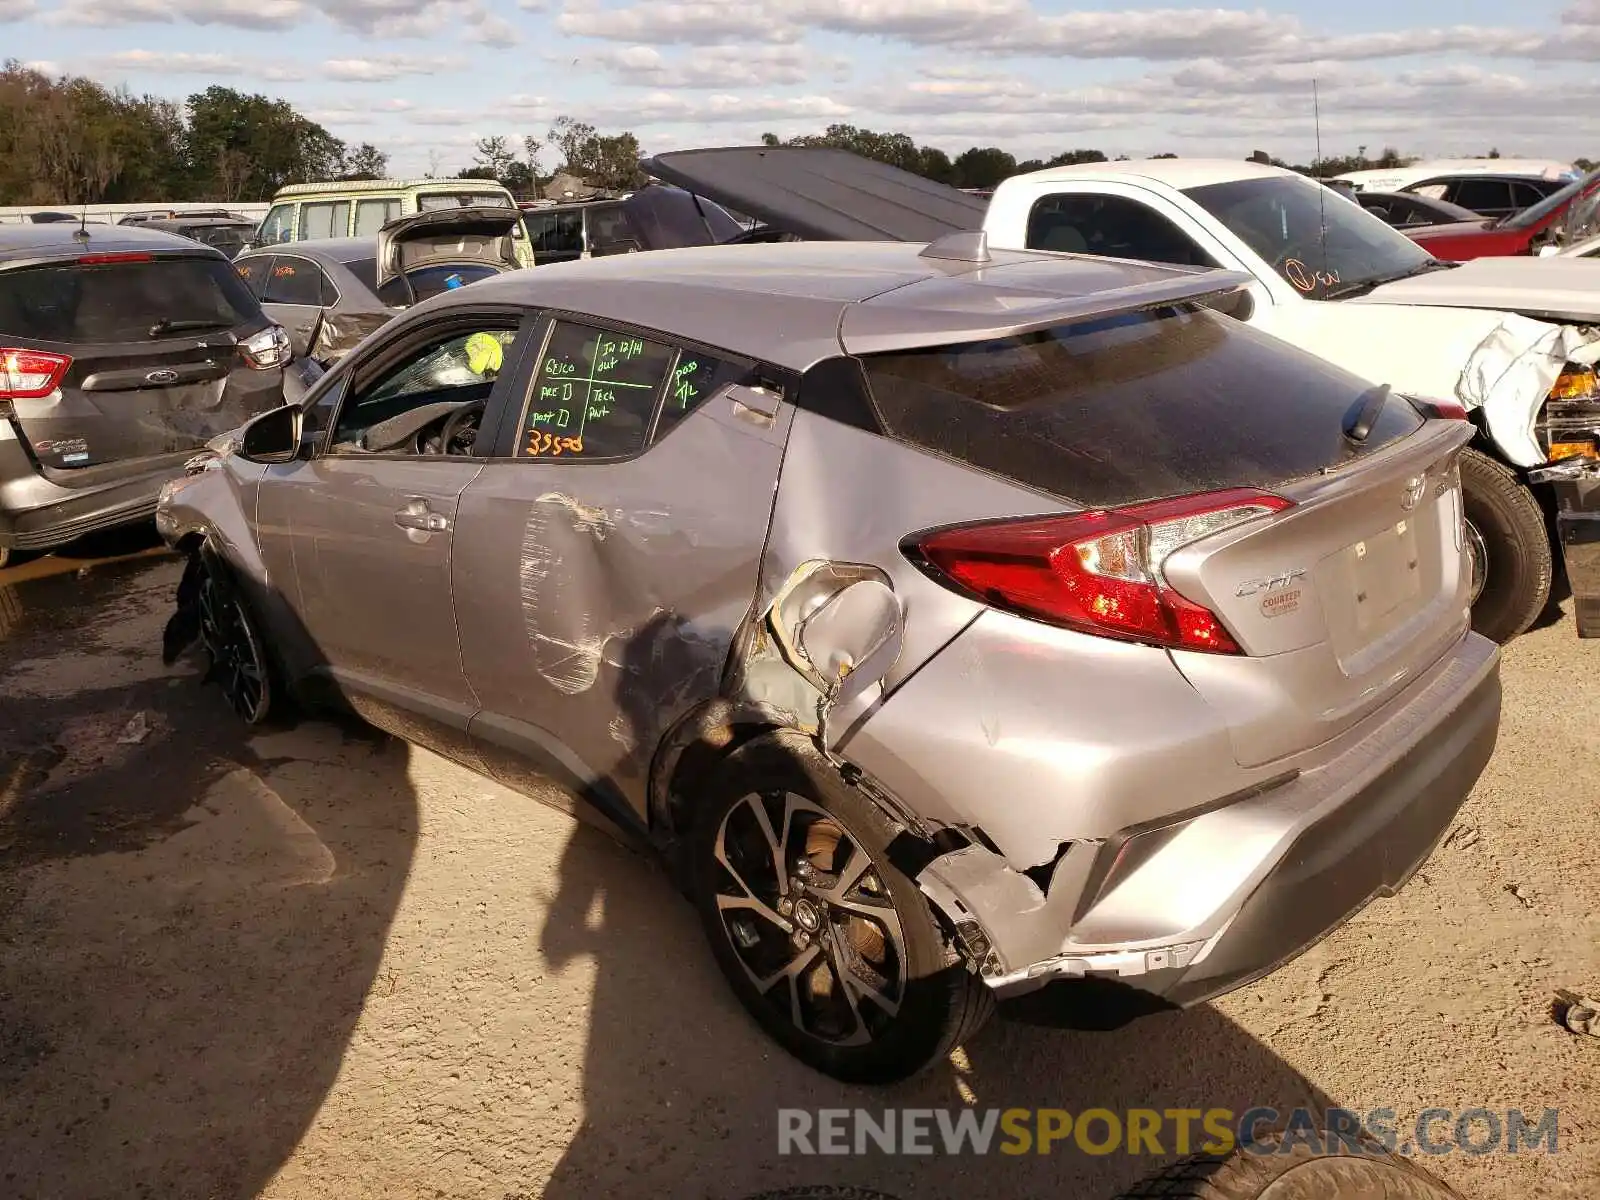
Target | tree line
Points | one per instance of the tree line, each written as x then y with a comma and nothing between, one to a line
70,140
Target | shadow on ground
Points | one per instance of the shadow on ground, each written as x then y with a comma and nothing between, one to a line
172,1017
682,1090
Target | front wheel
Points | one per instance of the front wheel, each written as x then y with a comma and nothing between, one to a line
833,950
1508,545
239,661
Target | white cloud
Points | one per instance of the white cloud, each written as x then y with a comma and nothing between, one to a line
723,66
383,68
217,66
44,66
17,10
244,14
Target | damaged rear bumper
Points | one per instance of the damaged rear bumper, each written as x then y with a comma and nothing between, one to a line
1297,860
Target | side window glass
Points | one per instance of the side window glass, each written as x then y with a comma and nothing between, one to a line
594,394
1483,195
453,368
1432,191
1526,195
330,293
568,235
316,221
294,281
695,379
1112,226
373,215
609,232
255,271
277,226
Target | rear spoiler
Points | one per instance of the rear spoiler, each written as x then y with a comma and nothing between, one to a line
1021,304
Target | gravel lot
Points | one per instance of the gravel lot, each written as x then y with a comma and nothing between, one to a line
320,963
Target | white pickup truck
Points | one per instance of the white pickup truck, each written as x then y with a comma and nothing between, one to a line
1510,339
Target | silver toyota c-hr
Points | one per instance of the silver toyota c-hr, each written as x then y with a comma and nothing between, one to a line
958,624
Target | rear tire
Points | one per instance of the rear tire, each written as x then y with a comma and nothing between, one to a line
833,951
1272,1172
1507,530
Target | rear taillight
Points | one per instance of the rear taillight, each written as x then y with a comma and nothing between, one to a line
1441,410
30,374
1097,572
269,348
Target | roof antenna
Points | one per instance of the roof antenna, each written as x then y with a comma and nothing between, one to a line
1322,188
81,233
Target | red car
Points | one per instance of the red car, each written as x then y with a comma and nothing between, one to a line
1520,233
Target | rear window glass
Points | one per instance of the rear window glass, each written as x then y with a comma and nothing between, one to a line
366,272
124,301
1129,408
430,281
428,201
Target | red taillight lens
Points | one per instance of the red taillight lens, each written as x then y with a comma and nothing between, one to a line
1098,572
30,374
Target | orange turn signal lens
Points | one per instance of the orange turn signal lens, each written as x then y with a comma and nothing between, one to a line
1561,450
1575,385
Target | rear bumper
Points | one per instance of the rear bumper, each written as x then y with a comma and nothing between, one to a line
1578,529
1307,855
1369,846
36,514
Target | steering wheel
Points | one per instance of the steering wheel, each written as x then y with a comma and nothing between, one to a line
453,437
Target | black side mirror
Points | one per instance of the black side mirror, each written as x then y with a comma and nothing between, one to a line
273,437
1240,305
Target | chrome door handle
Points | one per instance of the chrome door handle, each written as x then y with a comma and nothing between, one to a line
417,515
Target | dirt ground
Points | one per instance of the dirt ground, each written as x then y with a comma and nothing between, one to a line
319,963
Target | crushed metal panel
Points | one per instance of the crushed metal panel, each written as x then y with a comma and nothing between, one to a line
1510,373
341,331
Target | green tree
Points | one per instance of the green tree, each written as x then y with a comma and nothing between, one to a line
245,147
983,167
1073,157
366,161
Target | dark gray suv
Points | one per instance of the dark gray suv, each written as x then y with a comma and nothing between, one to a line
122,351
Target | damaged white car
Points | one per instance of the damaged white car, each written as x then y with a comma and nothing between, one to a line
1511,339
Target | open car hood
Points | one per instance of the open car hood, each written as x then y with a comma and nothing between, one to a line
1555,288
480,236
823,194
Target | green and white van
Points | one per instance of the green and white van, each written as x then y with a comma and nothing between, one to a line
304,211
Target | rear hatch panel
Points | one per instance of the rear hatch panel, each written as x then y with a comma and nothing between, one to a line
1339,602
134,393
822,193
468,236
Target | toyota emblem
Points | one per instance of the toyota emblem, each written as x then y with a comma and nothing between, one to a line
1413,493
162,376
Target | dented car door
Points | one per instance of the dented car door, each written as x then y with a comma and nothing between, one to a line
606,557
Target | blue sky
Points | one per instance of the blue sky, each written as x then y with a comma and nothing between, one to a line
422,79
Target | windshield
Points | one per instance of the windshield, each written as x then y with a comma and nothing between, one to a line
429,201
1281,218
1582,218
1551,203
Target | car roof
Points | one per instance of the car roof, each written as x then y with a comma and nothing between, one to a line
1175,172
55,238
339,250
198,222
1493,176
795,303
297,191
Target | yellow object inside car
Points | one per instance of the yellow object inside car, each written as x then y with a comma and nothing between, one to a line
485,354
